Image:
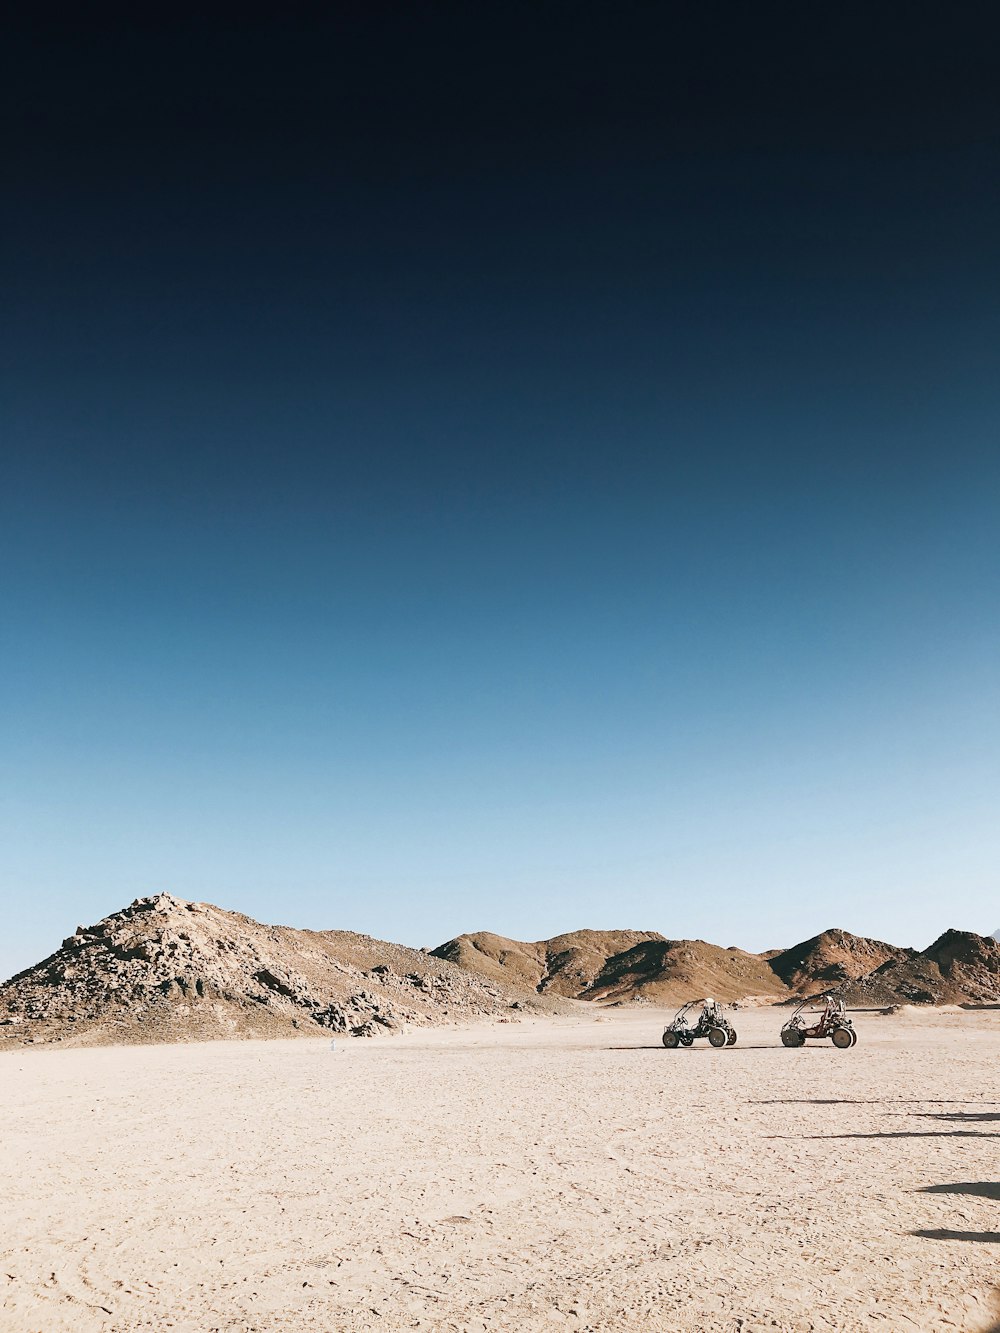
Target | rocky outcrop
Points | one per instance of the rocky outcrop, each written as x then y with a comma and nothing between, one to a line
831,960
960,967
164,969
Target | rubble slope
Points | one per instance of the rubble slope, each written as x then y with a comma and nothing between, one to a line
960,967
164,969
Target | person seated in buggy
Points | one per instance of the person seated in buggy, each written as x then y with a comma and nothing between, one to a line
818,1017
710,1023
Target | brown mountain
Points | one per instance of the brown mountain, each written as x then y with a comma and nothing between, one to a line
168,970
671,971
564,965
628,965
830,960
616,965
959,967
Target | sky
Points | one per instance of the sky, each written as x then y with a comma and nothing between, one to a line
512,467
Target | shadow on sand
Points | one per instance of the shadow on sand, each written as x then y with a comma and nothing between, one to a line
898,1134
942,1233
874,1101
977,1116
983,1189
702,1046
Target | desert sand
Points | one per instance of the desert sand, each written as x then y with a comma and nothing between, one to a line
553,1173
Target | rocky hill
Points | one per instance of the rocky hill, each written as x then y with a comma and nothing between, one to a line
959,967
616,965
830,960
168,970
564,965
670,971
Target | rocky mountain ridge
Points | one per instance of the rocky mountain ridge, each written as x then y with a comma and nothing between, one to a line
959,967
568,965
164,969
616,965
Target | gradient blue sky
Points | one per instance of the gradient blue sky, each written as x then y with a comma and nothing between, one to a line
478,473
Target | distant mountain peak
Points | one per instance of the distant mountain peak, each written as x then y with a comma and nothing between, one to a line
830,960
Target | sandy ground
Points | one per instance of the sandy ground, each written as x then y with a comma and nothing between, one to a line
554,1174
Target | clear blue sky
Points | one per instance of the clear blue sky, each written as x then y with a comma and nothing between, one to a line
512,518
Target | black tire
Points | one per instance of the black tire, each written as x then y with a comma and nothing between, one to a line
670,1040
792,1037
841,1038
717,1037
732,1037
854,1037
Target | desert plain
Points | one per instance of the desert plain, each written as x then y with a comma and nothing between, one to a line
548,1173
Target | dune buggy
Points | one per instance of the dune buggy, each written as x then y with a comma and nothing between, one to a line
818,1017
710,1023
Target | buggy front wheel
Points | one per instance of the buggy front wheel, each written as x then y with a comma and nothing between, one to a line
792,1037
670,1040
717,1037
732,1037
842,1039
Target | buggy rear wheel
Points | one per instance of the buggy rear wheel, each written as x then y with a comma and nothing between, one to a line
854,1037
842,1039
732,1037
717,1037
670,1040
792,1037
